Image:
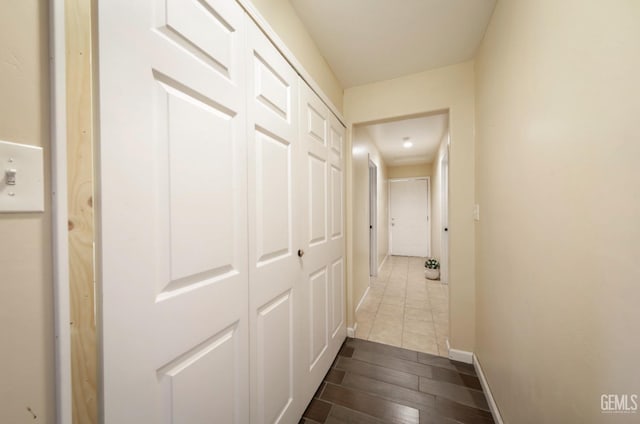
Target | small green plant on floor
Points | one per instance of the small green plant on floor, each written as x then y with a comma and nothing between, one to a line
432,263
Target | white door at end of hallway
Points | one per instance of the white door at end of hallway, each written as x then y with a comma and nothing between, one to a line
409,211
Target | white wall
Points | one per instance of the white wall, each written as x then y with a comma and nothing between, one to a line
436,201
26,287
558,96
450,88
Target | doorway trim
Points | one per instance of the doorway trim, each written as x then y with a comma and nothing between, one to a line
373,218
59,224
444,215
428,178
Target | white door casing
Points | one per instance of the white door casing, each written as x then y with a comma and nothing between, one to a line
322,157
172,212
274,234
409,216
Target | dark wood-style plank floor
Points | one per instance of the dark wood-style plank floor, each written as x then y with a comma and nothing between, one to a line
376,383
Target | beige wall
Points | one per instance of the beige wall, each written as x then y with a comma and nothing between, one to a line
383,210
364,149
282,17
449,88
26,288
558,95
410,171
436,202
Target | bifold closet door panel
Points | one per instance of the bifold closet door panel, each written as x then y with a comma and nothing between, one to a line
322,217
336,184
172,212
274,233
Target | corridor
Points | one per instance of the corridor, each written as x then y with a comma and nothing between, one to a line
404,309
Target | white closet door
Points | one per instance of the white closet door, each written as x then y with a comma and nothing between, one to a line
337,268
172,212
323,234
274,233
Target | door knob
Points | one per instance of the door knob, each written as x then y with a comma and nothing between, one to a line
300,253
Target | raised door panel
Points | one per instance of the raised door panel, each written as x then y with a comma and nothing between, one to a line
337,139
318,315
184,24
317,193
172,213
273,198
199,386
273,232
275,373
337,196
337,297
200,156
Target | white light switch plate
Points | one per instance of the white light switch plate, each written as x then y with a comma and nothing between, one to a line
27,194
476,212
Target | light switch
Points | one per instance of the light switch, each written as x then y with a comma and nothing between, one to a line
476,212
22,178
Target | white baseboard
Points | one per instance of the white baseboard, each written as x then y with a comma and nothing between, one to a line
487,391
351,331
461,356
382,263
361,301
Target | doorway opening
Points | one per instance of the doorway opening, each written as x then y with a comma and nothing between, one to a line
401,307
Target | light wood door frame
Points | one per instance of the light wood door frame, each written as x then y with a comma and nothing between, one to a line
81,229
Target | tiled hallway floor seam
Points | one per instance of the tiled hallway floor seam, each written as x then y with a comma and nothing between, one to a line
404,309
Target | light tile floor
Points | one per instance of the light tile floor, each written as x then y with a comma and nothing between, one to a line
405,309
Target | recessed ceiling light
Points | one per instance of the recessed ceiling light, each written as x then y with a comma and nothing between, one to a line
407,144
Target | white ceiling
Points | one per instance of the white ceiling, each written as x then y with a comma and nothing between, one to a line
371,40
425,132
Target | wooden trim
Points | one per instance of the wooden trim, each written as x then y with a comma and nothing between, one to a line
57,51
80,186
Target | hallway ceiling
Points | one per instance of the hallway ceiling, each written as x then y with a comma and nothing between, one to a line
425,132
371,40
